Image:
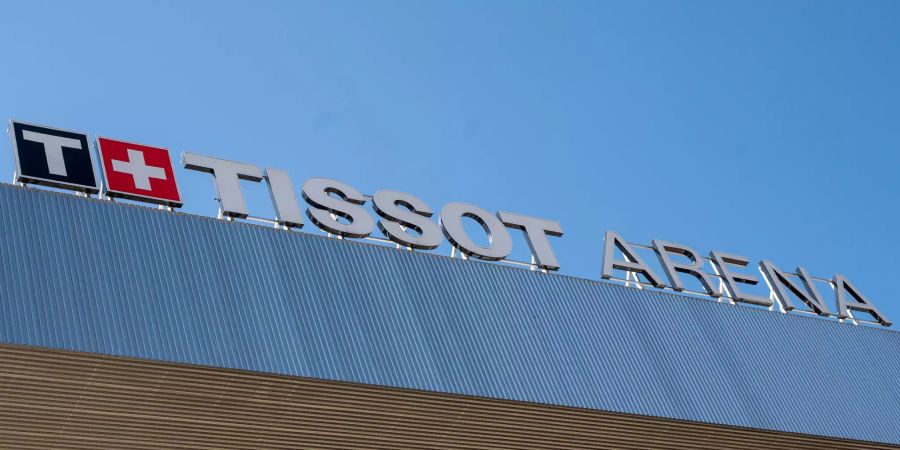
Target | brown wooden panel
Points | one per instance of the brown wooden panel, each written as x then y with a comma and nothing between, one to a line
57,399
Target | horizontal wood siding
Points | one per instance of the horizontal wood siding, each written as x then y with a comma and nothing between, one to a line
59,399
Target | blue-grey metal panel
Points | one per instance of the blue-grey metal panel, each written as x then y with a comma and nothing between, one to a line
126,280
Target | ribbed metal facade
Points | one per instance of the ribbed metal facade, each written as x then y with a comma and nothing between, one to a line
116,279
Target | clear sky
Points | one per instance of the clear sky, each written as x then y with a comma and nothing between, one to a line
766,129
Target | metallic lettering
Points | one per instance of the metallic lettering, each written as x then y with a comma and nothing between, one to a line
317,192
287,209
536,232
721,261
695,268
842,287
780,283
632,263
226,176
451,223
402,212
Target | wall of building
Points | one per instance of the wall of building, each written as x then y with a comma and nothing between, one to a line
60,399
98,277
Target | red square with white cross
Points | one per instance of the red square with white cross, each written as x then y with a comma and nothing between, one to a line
138,172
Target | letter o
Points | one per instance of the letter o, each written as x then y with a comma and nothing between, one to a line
451,224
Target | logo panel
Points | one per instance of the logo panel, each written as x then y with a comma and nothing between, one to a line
138,172
53,157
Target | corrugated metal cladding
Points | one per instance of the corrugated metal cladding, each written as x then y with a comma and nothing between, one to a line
107,278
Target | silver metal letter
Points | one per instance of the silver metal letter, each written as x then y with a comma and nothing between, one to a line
536,232
780,284
842,286
695,268
632,263
287,210
317,192
451,222
720,264
400,212
226,176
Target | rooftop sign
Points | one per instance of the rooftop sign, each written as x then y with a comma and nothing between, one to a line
63,159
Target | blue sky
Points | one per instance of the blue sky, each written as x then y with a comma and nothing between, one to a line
767,129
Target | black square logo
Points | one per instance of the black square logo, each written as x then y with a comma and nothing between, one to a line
53,157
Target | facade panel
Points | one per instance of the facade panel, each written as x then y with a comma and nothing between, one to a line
99,277
66,400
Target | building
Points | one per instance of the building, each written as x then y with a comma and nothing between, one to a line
123,326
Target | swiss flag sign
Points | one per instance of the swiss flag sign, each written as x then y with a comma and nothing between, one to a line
138,172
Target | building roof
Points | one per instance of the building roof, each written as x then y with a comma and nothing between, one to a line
101,277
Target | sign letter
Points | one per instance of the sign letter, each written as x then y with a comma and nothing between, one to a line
536,232
451,222
695,268
400,212
226,175
632,263
287,210
780,284
842,286
731,279
317,192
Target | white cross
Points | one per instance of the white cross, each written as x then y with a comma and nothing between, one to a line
139,170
